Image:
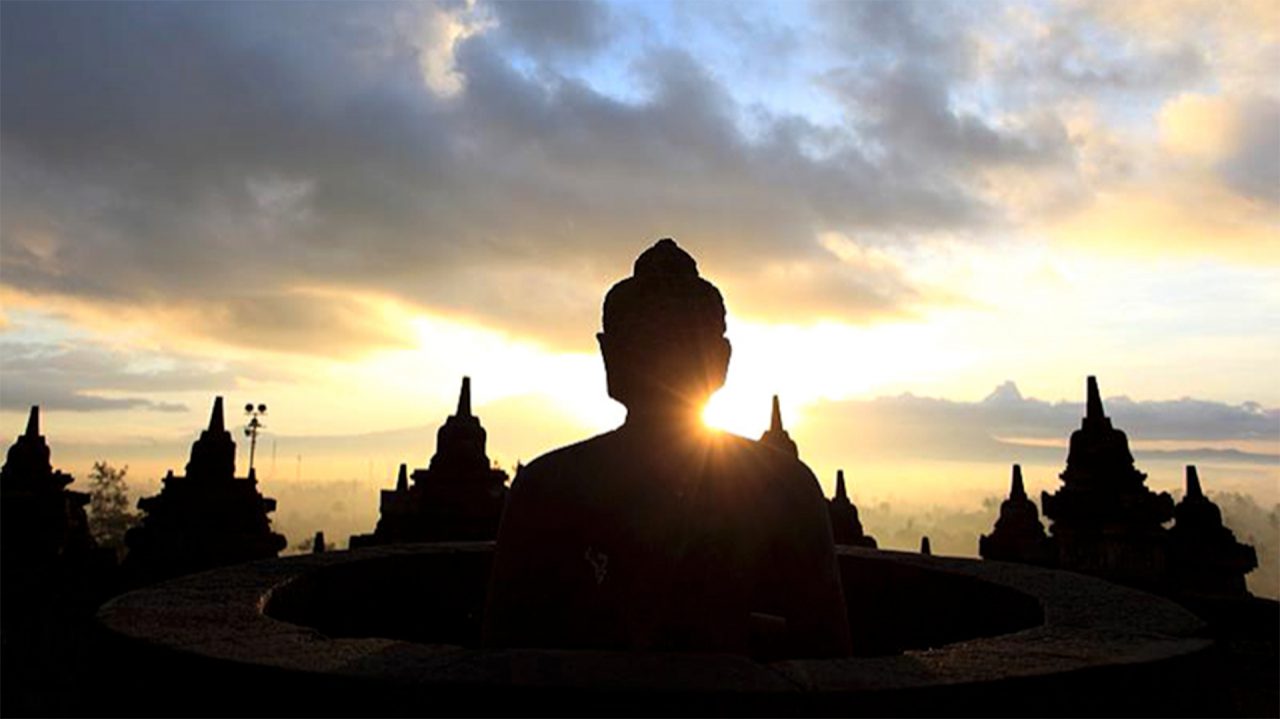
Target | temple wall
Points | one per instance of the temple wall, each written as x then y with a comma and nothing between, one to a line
391,630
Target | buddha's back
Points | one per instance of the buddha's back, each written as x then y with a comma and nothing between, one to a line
710,543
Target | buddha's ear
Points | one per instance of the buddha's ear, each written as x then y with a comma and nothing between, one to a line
721,351
615,381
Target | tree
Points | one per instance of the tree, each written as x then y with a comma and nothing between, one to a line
109,514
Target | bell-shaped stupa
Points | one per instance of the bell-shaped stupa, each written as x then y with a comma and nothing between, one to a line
206,518
1018,535
846,528
1205,556
1106,522
459,496
45,528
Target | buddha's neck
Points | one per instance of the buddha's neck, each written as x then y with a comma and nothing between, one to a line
669,419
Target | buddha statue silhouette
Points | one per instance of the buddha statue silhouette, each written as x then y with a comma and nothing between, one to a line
663,535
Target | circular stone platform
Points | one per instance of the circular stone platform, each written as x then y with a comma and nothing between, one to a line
393,630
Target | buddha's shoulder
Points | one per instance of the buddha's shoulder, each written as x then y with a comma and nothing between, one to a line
563,467
773,466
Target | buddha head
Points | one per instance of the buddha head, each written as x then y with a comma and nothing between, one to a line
663,342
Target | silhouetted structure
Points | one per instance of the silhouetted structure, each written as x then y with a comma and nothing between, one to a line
1018,535
1206,558
459,496
846,528
205,518
317,543
45,528
925,548
776,436
662,534
1106,522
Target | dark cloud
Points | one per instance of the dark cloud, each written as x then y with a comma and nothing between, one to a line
907,109
208,155
1253,168
216,158
1072,58
904,67
877,34
547,28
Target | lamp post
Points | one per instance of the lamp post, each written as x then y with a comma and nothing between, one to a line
251,429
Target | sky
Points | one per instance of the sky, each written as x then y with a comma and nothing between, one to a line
930,221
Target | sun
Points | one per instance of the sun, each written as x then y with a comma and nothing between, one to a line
742,412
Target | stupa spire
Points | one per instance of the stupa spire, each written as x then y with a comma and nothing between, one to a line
776,435
846,528
1018,535
1105,520
925,548
216,422
1206,558
33,422
1193,483
214,453
45,524
458,496
464,398
28,459
1093,406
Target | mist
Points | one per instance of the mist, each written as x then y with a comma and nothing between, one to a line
341,508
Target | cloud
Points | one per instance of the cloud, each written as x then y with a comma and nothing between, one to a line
1239,40
899,85
19,396
1007,427
1253,168
232,157
553,29
1233,136
1172,217
87,377
211,165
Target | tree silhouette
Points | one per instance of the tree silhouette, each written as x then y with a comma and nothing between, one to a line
109,514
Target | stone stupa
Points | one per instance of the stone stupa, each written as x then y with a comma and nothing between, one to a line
45,527
459,496
206,518
1205,557
1105,521
846,528
776,436
1018,535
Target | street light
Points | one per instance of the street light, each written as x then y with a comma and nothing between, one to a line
251,429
